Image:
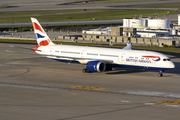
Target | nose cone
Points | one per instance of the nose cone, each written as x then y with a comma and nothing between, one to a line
171,65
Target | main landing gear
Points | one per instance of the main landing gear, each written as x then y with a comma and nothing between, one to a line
84,70
108,68
160,73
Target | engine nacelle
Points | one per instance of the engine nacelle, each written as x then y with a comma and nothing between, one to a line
95,66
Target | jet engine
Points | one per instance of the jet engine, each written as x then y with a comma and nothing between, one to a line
95,66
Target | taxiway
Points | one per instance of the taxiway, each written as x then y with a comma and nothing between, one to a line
38,88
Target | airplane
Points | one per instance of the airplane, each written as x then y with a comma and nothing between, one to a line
99,59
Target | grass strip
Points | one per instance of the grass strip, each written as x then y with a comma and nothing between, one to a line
159,6
151,48
70,27
107,1
78,15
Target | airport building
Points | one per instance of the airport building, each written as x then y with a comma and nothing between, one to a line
145,27
152,27
99,31
150,31
149,23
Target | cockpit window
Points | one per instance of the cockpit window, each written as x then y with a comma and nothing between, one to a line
166,59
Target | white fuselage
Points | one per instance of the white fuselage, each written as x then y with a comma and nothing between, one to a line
98,59
124,58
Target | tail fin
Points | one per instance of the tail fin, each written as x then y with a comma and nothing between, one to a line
41,36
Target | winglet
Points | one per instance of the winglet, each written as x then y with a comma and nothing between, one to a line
128,47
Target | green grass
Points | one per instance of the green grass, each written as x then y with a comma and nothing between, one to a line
160,6
63,28
107,1
18,41
152,48
77,15
3,6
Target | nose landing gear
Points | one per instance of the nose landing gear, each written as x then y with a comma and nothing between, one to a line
160,73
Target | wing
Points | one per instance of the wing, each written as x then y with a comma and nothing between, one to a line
128,47
21,52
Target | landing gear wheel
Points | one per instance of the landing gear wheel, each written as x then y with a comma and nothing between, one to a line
160,74
84,70
108,68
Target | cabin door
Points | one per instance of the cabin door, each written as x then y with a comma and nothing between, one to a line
153,63
82,53
123,58
51,51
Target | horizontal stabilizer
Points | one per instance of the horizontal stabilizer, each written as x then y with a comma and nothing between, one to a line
25,48
21,52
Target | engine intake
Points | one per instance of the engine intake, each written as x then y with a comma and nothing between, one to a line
95,66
